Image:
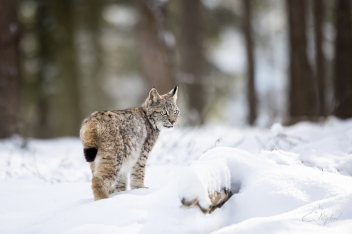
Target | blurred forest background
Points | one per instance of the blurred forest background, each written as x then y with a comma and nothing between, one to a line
237,62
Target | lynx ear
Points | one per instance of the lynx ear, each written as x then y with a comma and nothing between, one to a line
153,96
173,93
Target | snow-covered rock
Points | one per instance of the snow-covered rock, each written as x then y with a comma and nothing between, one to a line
265,189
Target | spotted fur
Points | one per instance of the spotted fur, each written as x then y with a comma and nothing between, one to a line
117,143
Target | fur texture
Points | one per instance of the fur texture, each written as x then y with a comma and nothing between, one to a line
117,143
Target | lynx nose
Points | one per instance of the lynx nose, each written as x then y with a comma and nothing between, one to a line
172,122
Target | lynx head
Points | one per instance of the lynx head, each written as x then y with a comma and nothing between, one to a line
162,110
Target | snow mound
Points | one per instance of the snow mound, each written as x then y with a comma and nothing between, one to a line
266,190
209,177
281,157
345,168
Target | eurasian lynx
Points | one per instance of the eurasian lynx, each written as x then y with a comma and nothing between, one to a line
117,143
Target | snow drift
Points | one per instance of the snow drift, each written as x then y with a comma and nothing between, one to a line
267,189
287,179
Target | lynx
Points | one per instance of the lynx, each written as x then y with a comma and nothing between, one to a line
117,143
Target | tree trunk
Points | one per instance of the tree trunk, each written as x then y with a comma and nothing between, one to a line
92,72
9,68
302,98
251,94
343,60
319,56
191,55
42,126
156,57
66,111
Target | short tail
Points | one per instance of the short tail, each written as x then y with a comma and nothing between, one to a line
89,139
90,154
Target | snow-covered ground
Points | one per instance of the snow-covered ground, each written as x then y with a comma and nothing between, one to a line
284,179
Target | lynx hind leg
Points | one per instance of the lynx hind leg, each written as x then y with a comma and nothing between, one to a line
104,175
99,188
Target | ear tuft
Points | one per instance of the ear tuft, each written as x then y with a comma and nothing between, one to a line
173,93
154,96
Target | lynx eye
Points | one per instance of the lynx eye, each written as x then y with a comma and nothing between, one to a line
164,112
176,112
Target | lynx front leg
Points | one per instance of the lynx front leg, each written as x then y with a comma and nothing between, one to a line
121,184
137,174
138,171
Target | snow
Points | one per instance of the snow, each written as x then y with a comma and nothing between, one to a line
268,189
277,130
284,179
